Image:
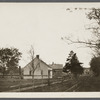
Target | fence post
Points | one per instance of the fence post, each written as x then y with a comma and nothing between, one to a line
19,79
48,77
33,81
62,79
42,78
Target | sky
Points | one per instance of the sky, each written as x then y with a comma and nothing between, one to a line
42,25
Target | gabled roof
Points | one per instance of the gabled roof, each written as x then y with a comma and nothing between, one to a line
56,66
45,63
39,60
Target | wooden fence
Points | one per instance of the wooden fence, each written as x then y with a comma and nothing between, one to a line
18,83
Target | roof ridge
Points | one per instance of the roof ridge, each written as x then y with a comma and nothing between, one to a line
40,60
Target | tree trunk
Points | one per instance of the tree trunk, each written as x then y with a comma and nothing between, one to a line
33,80
75,76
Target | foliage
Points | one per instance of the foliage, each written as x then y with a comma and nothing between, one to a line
9,59
13,70
95,61
94,16
73,65
95,65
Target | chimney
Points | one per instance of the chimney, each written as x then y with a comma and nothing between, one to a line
52,63
37,56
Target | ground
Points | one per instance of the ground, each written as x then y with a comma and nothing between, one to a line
82,84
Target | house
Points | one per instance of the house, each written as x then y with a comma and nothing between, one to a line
42,70
57,70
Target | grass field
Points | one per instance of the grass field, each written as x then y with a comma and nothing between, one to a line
8,84
92,84
83,84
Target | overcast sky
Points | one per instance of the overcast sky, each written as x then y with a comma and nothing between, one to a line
43,25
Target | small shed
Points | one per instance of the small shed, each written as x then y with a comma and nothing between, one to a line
57,70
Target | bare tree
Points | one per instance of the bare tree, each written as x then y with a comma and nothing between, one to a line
34,67
94,44
31,54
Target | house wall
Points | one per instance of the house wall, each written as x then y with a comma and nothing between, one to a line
41,69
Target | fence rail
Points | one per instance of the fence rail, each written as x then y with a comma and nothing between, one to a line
15,83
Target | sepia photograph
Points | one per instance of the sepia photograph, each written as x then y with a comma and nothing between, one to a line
49,48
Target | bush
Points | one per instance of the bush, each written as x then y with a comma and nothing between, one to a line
95,65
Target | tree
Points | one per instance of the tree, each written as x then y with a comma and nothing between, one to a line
9,59
13,70
94,27
94,15
95,65
94,43
73,65
34,67
31,53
